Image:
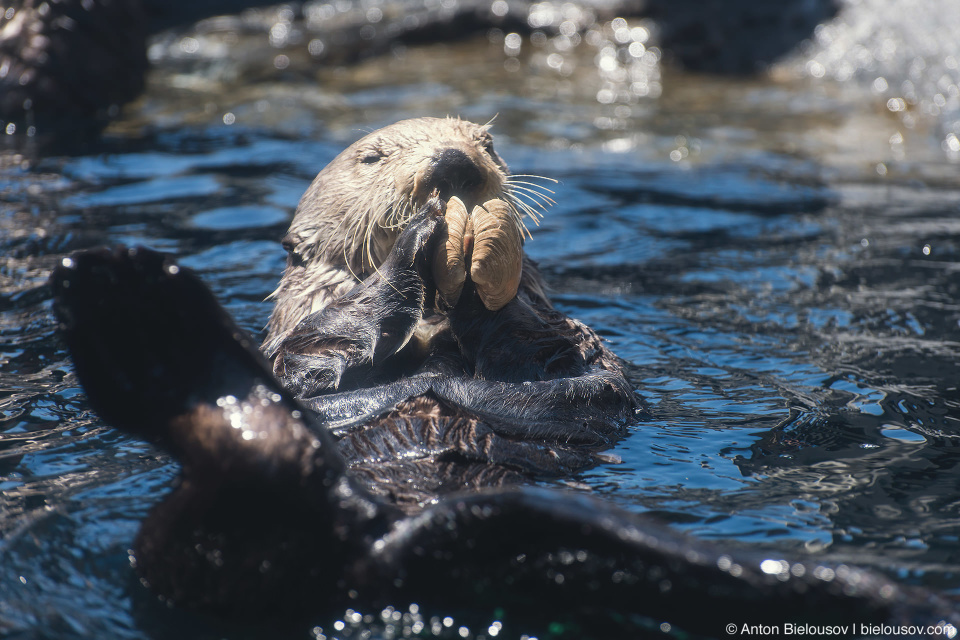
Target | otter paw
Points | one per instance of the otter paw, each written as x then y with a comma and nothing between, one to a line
412,244
486,245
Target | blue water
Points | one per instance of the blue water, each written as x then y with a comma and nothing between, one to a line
789,313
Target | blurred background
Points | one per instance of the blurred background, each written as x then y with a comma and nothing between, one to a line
757,207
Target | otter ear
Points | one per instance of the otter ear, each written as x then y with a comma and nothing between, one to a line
291,241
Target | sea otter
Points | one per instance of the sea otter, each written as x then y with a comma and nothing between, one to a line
415,372
362,462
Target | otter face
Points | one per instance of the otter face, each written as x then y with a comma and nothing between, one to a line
351,214
453,157
349,218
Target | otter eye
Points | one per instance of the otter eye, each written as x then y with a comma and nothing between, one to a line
488,145
371,157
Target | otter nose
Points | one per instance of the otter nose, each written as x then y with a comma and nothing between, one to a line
453,172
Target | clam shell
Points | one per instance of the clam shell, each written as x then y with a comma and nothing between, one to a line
487,245
449,264
497,259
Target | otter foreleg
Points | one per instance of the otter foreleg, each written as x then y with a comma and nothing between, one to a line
591,409
344,344
537,374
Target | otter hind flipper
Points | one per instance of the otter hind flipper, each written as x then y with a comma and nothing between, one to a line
145,332
161,359
153,350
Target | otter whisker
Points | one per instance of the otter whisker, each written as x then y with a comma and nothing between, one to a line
545,201
532,207
322,249
514,180
404,212
358,244
378,215
533,188
513,176
533,194
518,212
399,215
539,190
524,230
348,259
518,208
348,262
533,176
389,219
384,218
534,211
376,220
536,187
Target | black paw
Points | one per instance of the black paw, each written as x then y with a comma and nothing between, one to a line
416,241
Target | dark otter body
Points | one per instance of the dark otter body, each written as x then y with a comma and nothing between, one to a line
342,496
518,391
268,519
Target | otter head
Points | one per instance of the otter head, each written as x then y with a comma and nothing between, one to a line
349,217
351,214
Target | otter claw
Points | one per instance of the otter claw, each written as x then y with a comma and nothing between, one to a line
487,244
414,239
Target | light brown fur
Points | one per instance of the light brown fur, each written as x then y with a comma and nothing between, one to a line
349,217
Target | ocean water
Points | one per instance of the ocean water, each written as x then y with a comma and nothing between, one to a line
778,259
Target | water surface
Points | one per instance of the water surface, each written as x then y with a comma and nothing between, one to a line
777,258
